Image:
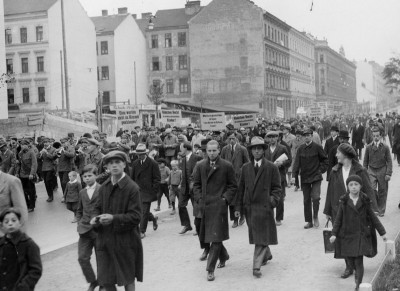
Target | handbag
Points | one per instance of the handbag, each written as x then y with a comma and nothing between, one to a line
327,233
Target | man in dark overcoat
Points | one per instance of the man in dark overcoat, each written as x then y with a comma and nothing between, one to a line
272,153
357,137
396,139
146,173
117,215
186,193
258,193
333,140
214,189
236,154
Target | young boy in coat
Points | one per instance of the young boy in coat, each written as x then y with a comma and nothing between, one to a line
71,194
354,228
87,236
20,266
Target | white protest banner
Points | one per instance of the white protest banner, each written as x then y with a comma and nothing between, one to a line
172,117
279,112
213,121
244,120
128,116
316,112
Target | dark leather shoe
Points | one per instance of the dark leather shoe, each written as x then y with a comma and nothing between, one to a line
222,263
257,273
93,286
185,229
31,209
210,276
142,235
155,224
204,255
242,220
49,200
308,225
266,260
235,224
347,273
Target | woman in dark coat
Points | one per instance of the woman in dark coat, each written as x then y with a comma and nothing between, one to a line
118,213
348,163
354,228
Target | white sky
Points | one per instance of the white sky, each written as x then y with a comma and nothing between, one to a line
366,28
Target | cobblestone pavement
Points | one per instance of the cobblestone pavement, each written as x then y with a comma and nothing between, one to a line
172,260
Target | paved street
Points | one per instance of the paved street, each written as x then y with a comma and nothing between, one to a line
171,260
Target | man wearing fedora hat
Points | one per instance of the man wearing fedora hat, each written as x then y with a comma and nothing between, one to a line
8,160
272,153
357,135
332,141
343,137
258,193
146,173
237,155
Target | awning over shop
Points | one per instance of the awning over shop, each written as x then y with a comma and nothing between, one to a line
186,107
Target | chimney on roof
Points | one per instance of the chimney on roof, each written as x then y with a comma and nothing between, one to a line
104,12
123,10
146,15
134,16
192,7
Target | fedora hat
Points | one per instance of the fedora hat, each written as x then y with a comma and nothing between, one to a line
257,141
141,149
344,134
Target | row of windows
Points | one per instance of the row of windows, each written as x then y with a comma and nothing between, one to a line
275,57
168,40
302,47
301,67
23,34
276,35
275,81
25,65
169,63
183,85
26,95
103,47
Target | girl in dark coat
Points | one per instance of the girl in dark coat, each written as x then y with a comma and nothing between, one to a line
20,263
354,228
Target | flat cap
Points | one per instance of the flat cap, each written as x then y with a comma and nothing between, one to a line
307,131
114,155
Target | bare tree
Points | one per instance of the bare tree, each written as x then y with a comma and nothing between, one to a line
156,96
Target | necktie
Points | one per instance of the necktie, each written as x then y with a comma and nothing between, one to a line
232,151
256,168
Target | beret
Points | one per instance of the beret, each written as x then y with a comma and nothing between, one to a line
114,155
355,178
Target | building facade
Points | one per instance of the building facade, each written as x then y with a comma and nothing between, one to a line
335,79
302,69
35,56
3,86
121,59
372,92
168,54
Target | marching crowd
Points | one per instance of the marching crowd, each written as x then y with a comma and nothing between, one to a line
109,188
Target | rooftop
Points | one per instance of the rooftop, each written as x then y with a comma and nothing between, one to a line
172,18
142,23
107,23
26,6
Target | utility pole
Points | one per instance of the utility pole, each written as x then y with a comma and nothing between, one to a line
134,65
62,82
100,102
65,60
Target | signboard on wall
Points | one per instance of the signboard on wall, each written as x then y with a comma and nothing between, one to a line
213,121
128,116
244,120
